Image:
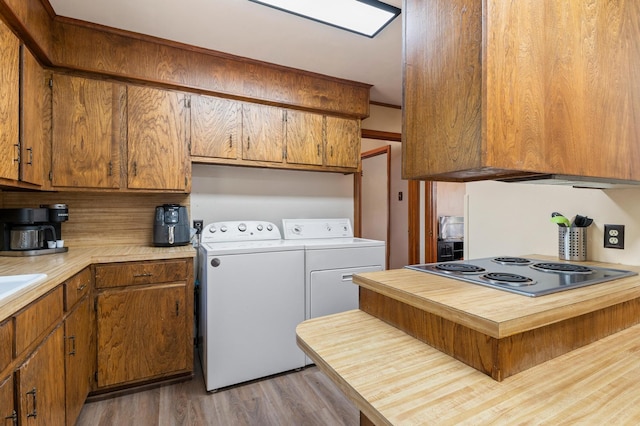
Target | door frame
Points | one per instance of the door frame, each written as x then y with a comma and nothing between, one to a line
383,150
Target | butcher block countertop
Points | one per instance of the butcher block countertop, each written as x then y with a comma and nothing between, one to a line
494,312
395,379
61,266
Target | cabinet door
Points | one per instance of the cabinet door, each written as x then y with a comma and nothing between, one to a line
304,136
78,359
262,133
9,102
40,384
7,407
157,139
215,126
142,333
86,133
35,118
343,142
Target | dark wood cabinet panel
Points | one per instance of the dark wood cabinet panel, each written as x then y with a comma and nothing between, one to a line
304,137
141,333
7,404
262,133
157,139
85,150
9,102
79,359
35,119
39,384
34,320
343,142
215,127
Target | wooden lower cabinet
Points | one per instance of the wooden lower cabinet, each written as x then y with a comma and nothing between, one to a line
78,358
144,329
8,414
141,334
39,386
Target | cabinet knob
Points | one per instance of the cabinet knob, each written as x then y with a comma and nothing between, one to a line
13,417
33,413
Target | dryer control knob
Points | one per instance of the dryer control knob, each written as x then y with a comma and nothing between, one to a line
242,227
259,227
212,229
223,228
269,227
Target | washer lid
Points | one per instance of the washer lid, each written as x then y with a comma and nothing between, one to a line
247,247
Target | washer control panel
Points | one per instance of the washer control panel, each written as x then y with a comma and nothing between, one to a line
248,230
297,229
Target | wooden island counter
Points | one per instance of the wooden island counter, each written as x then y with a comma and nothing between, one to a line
568,357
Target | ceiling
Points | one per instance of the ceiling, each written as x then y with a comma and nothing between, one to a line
251,30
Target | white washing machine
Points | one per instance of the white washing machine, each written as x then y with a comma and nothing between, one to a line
251,300
332,256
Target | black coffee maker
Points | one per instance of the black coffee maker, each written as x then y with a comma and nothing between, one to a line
32,231
171,226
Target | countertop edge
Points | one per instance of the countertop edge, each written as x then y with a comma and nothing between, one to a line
61,267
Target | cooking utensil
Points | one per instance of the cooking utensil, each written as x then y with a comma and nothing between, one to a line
582,221
561,221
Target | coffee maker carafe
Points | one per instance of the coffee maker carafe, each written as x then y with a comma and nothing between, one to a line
32,231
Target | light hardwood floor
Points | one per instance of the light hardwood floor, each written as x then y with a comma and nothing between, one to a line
305,397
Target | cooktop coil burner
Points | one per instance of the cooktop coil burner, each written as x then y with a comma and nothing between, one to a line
459,268
506,278
512,260
564,268
524,276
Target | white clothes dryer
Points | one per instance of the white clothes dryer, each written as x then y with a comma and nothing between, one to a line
332,257
251,300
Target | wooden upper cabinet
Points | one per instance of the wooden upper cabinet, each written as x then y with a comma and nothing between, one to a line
215,127
158,156
262,133
304,137
86,132
489,94
342,142
35,119
9,102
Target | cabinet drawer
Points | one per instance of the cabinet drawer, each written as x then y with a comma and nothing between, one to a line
32,321
6,341
136,273
76,287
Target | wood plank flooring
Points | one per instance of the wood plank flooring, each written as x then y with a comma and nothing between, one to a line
305,397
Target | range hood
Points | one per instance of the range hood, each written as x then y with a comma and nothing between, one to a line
574,181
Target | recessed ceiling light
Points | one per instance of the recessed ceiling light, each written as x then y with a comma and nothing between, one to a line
366,17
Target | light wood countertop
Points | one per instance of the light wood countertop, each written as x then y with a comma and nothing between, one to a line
494,312
61,266
395,379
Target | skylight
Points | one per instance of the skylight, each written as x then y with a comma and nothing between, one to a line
366,17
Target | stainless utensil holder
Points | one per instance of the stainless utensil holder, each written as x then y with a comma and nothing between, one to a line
572,243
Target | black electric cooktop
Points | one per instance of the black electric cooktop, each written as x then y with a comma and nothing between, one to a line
528,277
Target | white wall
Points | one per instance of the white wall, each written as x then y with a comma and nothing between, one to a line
390,120
514,219
241,193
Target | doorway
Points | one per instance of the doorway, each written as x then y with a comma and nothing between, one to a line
373,185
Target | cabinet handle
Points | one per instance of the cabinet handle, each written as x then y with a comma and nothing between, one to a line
17,158
177,309
34,413
331,151
30,156
82,287
13,417
73,345
142,275
318,149
135,168
230,141
248,142
110,173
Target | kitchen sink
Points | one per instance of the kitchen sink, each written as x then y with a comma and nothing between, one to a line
10,284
